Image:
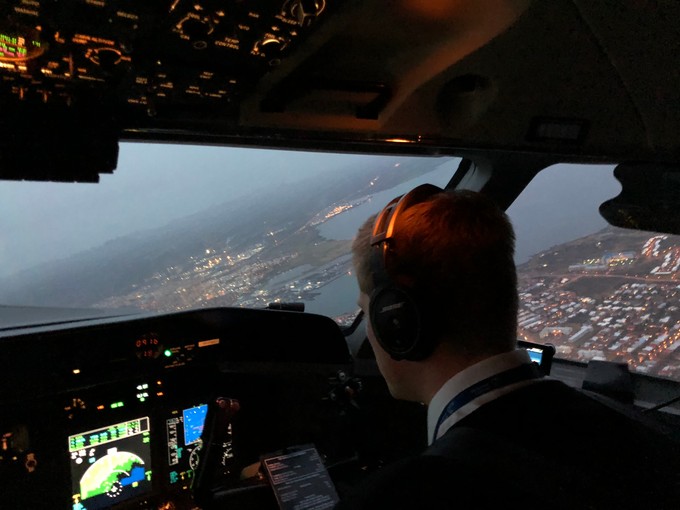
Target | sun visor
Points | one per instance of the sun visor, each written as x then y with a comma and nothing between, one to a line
649,199
61,143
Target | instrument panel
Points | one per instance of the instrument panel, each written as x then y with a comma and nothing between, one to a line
116,413
157,53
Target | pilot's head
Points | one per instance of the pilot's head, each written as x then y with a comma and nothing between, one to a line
443,286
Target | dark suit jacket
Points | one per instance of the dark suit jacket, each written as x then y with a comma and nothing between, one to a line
543,446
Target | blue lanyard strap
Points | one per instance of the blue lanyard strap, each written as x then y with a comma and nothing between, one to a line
524,372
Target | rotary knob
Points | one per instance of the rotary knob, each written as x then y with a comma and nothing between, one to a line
306,11
270,47
197,30
108,57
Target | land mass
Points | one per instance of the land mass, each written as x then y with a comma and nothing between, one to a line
610,295
227,255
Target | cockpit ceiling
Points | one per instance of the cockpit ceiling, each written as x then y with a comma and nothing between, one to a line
574,77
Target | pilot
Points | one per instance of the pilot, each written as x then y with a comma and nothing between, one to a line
438,286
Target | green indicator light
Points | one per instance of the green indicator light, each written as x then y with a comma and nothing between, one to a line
167,353
114,405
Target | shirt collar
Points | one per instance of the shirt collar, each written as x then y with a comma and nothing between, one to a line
466,378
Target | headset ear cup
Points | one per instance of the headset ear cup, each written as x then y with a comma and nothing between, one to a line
397,324
396,319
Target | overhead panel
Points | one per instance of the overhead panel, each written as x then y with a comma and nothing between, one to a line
76,74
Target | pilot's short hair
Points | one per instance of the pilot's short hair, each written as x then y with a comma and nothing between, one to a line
455,252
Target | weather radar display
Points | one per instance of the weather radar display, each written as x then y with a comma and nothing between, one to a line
110,464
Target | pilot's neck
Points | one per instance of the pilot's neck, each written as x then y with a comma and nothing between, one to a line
441,366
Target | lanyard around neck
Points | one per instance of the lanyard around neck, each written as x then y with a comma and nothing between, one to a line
524,372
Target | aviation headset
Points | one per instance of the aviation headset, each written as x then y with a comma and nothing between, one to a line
395,313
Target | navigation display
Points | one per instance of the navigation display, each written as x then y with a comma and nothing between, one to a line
194,419
184,431
110,464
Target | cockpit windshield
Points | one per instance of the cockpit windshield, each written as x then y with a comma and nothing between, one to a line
181,226
594,291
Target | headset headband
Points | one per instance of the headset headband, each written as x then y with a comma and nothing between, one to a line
383,228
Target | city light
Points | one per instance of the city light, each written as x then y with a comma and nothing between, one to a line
608,308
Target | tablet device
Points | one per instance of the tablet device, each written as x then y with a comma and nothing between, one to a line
300,479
